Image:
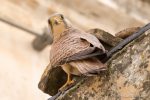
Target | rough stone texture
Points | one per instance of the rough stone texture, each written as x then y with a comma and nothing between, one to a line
128,77
51,81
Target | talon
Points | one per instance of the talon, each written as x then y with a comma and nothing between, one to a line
69,82
63,87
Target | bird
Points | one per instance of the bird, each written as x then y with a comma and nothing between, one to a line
71,42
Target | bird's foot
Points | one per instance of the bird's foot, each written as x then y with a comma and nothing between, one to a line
65,86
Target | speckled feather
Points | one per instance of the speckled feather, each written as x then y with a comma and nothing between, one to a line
75,42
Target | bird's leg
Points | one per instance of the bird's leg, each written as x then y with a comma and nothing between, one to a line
69,81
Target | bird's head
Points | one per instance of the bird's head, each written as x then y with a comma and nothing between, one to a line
58,24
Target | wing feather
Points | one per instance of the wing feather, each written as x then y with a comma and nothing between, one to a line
74,44
89,66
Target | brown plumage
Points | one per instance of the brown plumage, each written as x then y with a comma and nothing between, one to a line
70,42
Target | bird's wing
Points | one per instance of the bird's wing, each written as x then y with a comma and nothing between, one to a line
95,43
92,40
91,66
79,55
66,47
75,44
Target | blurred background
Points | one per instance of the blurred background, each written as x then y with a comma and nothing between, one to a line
23,21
